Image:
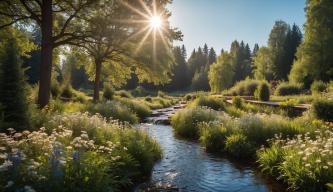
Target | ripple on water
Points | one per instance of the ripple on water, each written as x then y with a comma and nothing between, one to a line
185,166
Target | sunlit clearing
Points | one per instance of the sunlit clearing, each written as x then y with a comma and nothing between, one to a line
155,22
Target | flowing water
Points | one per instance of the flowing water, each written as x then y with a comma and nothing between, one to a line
186,166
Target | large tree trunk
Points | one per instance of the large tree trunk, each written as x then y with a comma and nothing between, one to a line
46,54
98,64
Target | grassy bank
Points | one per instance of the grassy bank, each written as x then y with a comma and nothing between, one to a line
296,151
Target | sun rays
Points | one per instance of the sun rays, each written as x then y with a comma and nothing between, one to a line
153,25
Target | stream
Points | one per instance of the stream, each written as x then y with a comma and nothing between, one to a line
186,166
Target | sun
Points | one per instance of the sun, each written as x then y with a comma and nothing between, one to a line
155,22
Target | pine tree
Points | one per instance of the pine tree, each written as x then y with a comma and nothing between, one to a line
276,44
12,88
211,56
255,49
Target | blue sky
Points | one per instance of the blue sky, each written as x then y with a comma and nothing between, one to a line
219,22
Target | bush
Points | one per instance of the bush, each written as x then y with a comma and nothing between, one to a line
208,101
212,136
55,88
141,92
244,88
139,108
108,92
188,97
125,94
161,94
318,87
185,121
113,109
239,146
148,99
262,92
323,109
67,91
286,88
79,153
237,102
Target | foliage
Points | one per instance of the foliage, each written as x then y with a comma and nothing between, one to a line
323,109
237,102
246,87
304,162
314,58
185,121
80,152
286,88
208,101
139,108
161,94
263,64
125,94
220,74
12,87
108,92
262,92
318,87
239,146
213,136
55,89
114,110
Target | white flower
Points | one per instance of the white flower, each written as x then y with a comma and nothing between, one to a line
325,167
9,184
5,165
28,189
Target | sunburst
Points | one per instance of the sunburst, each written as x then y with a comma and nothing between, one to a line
153,24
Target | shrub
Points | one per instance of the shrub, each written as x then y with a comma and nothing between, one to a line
55,88
318,87
108,92
113,109
262,92
140,92
323,109
208,101
185,121
188,97
148,99
237,102
246,87
239,146
67,91
286,88
139,108
212,136
161,94
123,93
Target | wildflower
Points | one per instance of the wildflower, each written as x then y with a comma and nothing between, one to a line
28,189
325,167
318,161
9,184
307,165
6,165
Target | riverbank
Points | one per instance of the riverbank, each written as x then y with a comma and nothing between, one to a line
186,166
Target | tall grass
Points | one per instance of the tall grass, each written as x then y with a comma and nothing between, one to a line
185,122
208,101
115,110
